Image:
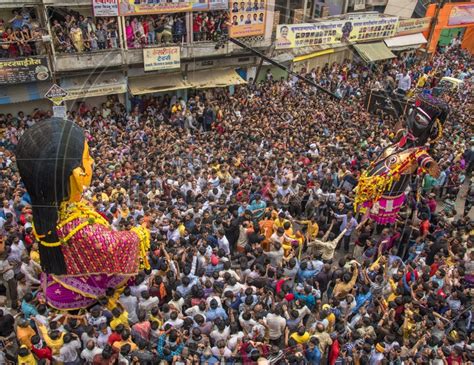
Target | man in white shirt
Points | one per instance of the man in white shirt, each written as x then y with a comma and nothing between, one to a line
90,351
276,324
130,303
68,352
223,242
147,302
30,269
174,320
404,82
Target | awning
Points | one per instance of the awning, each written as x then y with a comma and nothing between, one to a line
371,52
214,78
405,41
281,58
20,93
313,55
80,87
157,83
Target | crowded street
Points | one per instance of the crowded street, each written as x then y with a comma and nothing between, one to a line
259,249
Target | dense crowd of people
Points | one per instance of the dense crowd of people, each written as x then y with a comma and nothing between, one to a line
257,254
74,32
155,29
207,26
20,36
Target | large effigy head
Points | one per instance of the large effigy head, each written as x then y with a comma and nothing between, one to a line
425,120
54,164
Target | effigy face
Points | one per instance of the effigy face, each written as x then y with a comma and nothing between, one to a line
426,119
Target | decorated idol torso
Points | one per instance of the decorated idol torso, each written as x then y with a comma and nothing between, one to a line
381,188
81,255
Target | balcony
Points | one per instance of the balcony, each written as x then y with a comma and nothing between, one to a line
88,60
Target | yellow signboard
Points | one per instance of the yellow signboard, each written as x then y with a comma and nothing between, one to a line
247,17
163,58
134,7
336,31
411,26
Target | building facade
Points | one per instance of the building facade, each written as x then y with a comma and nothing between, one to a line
97,48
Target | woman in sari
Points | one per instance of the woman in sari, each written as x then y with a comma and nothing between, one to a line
129,34
76,38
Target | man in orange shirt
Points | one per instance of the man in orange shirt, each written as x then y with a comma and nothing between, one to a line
266,228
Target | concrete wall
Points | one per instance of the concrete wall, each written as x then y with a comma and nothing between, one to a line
82,61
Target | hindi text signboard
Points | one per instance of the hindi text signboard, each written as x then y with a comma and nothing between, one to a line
411,26
132,7
105,7
163,58
22,70
335,31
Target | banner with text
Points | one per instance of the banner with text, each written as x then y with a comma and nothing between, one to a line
21,70
461,15
133,7
105,7
412,26
336,31
248,18
163,58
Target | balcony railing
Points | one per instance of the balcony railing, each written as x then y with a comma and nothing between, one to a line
14,49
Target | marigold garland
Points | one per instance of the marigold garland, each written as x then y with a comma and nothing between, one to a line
371,188
144,236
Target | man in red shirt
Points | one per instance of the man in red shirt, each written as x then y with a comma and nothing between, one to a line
424,226
39,348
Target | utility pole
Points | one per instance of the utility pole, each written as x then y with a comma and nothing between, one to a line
259,68
47,40
434,22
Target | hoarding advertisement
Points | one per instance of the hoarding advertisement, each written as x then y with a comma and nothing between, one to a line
461,15
136,7
331,32
248,18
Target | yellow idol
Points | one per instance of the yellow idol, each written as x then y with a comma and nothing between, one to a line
81,176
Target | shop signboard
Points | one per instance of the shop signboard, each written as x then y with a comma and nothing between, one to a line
163,58
248,18
105,7
461,15
334,31
133,7
412,26
25,69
